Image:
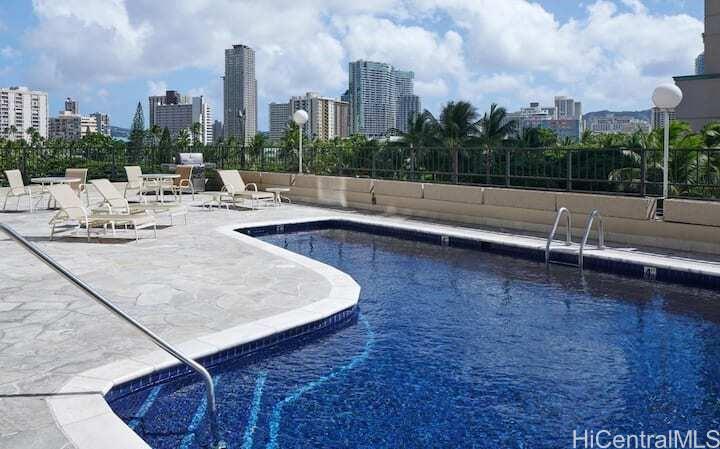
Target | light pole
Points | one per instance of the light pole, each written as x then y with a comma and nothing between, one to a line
666,98
300,117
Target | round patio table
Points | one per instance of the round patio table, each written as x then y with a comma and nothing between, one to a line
159,178
47,181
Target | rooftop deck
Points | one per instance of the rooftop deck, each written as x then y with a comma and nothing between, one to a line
193,281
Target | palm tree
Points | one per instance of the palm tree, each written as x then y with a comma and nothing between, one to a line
418,136
196,131
257,145
456,127
183,139
711,135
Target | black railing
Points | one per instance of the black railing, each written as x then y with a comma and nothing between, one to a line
694,173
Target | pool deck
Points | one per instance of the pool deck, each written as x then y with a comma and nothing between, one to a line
200,286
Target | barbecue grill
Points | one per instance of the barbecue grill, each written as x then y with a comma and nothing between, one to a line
199,166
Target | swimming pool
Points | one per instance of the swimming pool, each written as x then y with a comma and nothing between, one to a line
457,348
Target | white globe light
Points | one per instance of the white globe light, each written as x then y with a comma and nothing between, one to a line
300,117
667,96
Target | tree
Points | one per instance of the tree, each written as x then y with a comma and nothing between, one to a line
418,136
165,145
455,128
196,131
711,135
183,139
494,127
538,138
136,145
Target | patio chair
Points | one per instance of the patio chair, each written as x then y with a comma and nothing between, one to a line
236,189
73,211
17,189
135,181
79,187
184,182
115,203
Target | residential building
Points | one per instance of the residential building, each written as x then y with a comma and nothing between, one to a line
218,132
342,119
177,116
71,126
23,108
321,115
561,119
240,93
612,124
408,107
700,64
102,123
567,108
170,97
657,118
72,106
374,92
279,118
701,93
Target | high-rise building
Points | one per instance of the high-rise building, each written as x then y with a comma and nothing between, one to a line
240,93
218,132
700,64
408,108
380,97
321,115
279,116
567,108
102,122
328,118
657,118
342,119
71,126
170,97
373,98
20,109
561,119
175,113
72,106
701,92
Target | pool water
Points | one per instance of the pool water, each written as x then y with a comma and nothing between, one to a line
458,348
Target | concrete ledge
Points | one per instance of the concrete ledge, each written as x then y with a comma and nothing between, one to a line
704,213
520,199
609,206
454,194
398,189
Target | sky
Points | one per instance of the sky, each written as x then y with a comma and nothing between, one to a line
110,54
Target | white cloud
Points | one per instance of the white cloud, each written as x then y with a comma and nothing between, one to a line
156,88
9,52
512,51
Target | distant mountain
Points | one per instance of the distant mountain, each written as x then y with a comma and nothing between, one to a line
119,133
640,115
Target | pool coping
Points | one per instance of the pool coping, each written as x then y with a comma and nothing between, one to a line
84,416
80,408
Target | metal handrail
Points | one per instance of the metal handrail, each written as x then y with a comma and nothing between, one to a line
568,237
601,234
37,252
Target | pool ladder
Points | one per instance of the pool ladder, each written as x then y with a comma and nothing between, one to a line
564,211
217,443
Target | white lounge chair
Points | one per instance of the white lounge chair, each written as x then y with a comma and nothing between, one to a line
236,189
17,189
135,181
73,211
115,203
79,187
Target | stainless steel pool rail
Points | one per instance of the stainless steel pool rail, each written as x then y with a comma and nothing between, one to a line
568,236
167,347
588,227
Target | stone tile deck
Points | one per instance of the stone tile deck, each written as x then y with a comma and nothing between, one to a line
192,281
